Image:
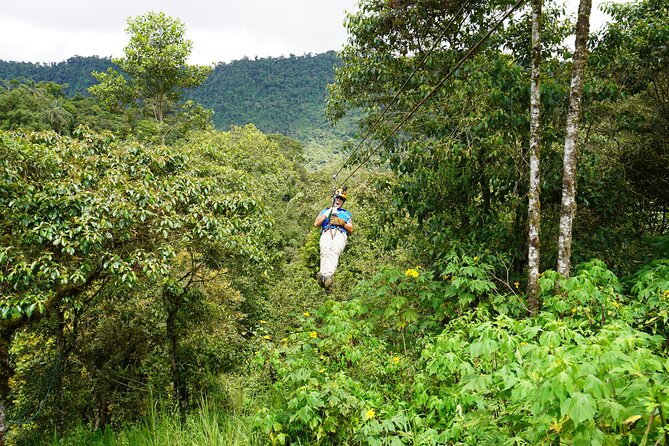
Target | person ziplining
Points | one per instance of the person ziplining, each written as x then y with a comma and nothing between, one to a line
335,222
336,225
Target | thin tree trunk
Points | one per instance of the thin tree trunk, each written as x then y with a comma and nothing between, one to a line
569,166
534,205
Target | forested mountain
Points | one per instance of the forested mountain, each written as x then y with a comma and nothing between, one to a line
283,95
74,73
277,95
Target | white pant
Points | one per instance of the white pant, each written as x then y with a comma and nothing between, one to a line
333,242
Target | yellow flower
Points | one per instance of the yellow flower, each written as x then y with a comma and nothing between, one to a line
322,357
516,284
476,258
262,321
615,303
313,335
666,294
321,371
411,273
369,414
284,340
396,359
306,314
268,337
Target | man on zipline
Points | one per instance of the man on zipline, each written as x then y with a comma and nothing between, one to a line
336,225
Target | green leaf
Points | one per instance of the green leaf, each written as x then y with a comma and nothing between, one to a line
595,387
562,385
614,410
549,339
588,435
580,407
483,347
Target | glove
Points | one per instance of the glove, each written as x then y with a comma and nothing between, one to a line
337,221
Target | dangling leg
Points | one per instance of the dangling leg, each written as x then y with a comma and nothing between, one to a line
332,244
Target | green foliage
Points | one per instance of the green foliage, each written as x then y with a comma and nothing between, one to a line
651,288
592,294
461,160
135,247
27,105
332,374
70,202
154,75
74,73
631,63
141,270
278,95
283,95
486,378
414,302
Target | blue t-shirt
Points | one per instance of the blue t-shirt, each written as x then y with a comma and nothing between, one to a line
341,213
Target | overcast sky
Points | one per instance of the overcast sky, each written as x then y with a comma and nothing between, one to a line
221,30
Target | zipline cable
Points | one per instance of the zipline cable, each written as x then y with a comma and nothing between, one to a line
436,87
406,82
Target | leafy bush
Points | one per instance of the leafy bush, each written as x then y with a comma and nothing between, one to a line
583,377
332,377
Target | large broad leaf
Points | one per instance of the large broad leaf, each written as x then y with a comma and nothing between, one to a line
562,385
588,435
580,407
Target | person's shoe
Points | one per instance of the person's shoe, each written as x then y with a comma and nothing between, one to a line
320,278
327,284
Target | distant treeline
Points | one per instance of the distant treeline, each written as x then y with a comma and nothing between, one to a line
283,95
74,73
273,93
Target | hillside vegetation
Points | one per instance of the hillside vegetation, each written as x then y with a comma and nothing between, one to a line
284,95
157,271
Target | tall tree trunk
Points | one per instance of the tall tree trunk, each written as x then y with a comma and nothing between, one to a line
568,209
534,205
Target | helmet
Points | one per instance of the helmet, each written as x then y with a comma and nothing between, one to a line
340,193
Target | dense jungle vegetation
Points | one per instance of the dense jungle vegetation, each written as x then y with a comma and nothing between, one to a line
156,270
283,95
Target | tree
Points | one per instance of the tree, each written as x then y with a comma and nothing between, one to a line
461,160
630,60
534,203
56,115
21,104
88,217
573,116
154,71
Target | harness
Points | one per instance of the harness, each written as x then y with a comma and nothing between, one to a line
340,228
329,226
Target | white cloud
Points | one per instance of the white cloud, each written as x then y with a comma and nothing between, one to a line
221,30
23,41
52,31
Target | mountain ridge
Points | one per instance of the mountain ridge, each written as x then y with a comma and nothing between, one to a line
285,95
